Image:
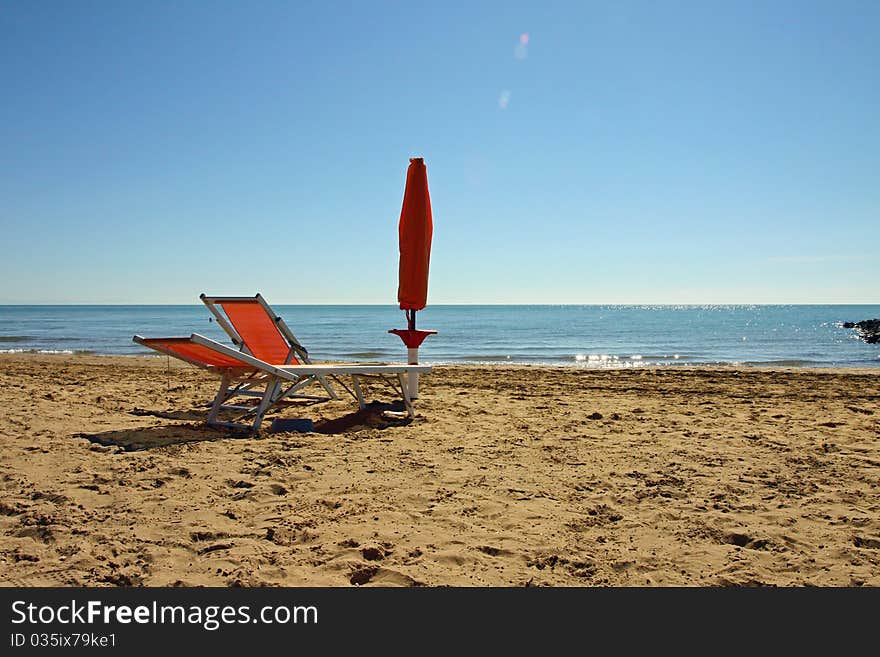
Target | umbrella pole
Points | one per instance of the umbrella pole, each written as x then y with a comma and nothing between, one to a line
412,339
412,354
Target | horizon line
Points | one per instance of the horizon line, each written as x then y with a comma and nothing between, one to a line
470,303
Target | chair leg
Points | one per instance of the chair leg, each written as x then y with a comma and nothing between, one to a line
219,399
359,394
404,388
266,402
330,391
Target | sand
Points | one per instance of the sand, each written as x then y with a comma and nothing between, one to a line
509,476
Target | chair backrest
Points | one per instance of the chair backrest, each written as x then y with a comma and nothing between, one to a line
255,328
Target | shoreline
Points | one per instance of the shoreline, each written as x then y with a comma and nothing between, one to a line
105,358
509,476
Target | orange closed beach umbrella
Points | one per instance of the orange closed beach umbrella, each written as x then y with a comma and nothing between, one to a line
415,230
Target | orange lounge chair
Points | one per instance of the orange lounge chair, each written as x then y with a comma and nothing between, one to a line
269,364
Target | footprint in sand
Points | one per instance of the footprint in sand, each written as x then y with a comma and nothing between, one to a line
494,551
362,575
863,411
745,541
373,553
47,578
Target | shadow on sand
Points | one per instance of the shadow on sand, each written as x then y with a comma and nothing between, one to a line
374,416
136,439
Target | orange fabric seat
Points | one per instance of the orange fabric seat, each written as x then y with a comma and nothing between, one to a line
191,351
257,330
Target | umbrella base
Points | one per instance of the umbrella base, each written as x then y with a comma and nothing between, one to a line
411,338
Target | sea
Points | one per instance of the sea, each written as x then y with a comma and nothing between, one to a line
584,336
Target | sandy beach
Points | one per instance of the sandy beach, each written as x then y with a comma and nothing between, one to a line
509,476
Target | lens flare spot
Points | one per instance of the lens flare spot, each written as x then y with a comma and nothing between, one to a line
504,99
521,51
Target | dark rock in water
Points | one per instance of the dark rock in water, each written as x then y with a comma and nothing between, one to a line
868,330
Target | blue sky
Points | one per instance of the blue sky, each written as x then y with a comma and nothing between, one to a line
577,152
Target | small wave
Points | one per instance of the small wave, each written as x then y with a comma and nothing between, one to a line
31,338
489,358
794,362
595,358
609,358
614,364
68,352
365,354
598,361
